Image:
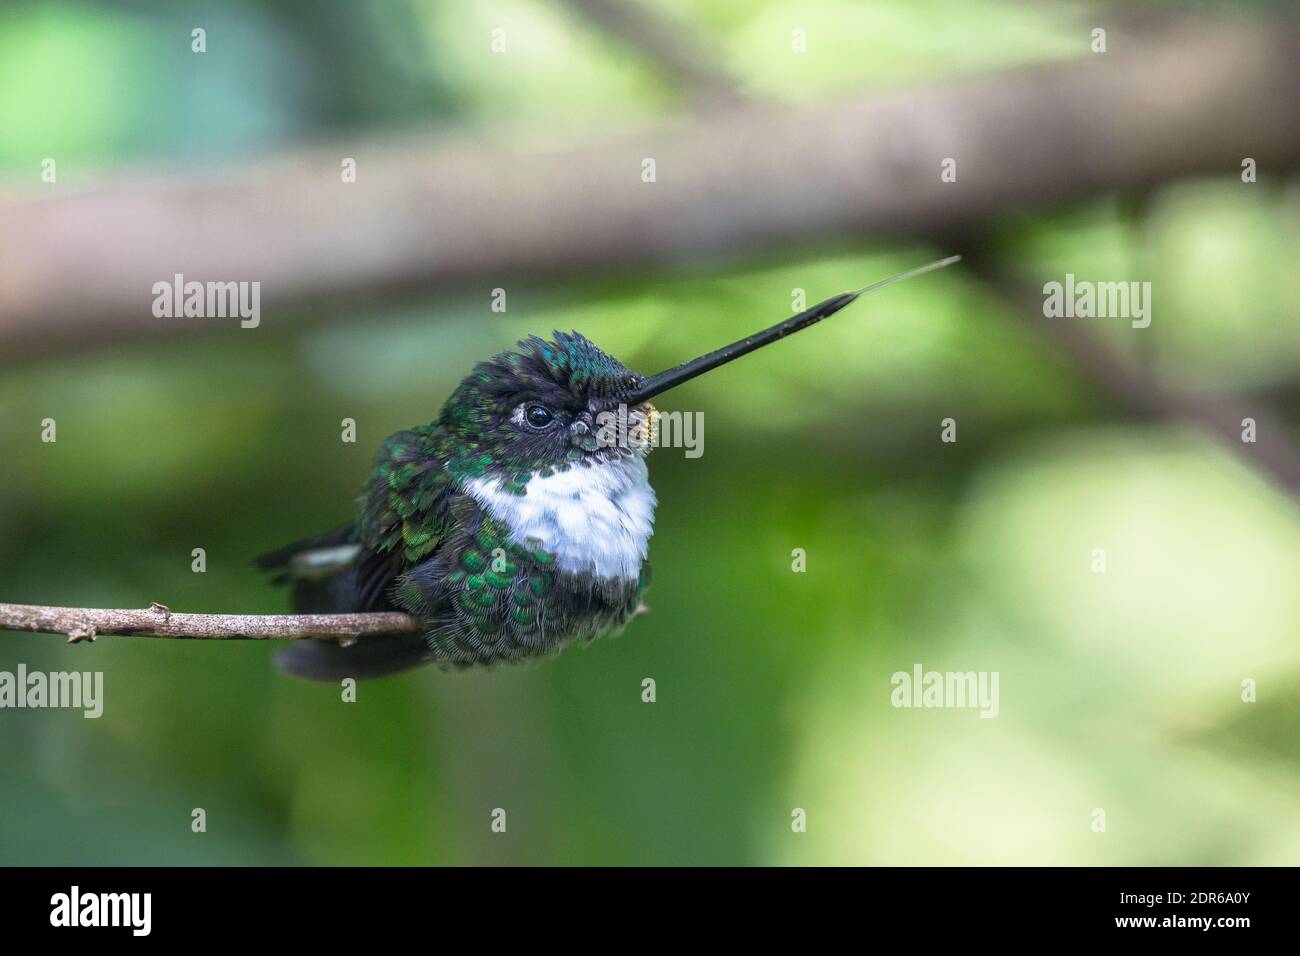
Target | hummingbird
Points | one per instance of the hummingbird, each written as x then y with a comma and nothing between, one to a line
512,525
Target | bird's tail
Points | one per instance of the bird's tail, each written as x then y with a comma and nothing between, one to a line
376,656
329,575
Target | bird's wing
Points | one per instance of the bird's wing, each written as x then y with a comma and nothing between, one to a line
405,512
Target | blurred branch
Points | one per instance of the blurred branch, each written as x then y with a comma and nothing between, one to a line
667,45
85,623
1134,383
79,268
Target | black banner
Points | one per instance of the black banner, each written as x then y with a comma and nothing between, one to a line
331,906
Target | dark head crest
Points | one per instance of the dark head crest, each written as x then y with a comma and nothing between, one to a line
574,363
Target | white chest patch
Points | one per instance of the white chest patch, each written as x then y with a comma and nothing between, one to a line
598,520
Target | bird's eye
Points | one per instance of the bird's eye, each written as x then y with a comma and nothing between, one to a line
538,416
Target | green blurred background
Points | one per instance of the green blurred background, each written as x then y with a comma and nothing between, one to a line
1119,691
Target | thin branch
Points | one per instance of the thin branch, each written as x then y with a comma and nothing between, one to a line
86,623
78,267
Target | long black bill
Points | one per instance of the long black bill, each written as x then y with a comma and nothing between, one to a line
673,377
